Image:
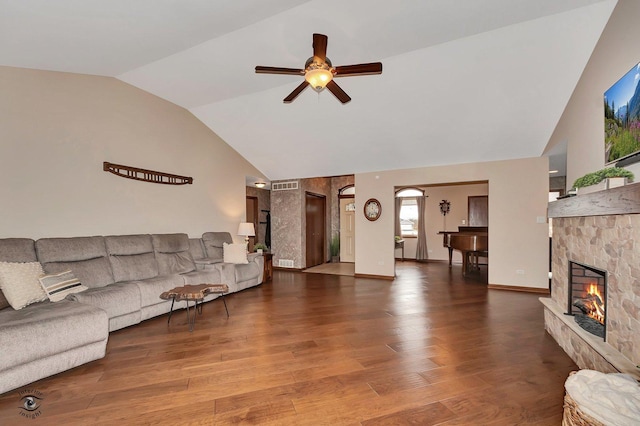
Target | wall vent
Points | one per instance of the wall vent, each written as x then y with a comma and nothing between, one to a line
285,263
284,186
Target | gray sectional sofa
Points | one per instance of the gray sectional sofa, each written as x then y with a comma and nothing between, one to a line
125,275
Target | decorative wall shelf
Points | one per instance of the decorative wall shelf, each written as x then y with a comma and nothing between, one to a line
145,175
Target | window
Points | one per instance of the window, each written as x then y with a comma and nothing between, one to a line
409,214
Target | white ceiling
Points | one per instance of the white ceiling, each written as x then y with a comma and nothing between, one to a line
463,80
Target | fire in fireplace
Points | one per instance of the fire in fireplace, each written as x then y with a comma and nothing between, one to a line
587,297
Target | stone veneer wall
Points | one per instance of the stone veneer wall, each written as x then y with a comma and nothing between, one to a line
577,348
286,226
288,220
611,243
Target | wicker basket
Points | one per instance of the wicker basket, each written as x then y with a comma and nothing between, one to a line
573,416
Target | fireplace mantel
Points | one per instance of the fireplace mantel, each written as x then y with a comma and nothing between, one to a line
620,200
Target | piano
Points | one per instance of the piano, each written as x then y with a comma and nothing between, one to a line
471,241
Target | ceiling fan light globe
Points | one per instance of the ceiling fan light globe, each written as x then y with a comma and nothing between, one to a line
318,78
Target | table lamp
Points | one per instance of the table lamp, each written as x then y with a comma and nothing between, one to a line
246,230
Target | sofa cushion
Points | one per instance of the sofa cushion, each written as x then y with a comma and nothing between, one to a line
152,288
18,250
235,253
196,248
46,329
19,283
85,256
132,257
213,242
58,286
203,276
116,299
172,253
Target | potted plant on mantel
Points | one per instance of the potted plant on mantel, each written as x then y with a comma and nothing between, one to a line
610,177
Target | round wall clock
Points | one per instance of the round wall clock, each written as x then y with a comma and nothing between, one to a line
372,209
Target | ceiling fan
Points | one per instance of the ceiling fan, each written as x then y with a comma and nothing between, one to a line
319,73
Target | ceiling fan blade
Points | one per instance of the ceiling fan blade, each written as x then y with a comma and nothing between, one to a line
320,46
279,70
296,92
360,69
338,92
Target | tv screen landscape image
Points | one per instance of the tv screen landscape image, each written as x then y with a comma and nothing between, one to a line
622,118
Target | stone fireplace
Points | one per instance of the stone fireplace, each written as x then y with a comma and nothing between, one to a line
602,231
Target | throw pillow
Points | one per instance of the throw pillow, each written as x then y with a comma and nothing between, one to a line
19,283
234,253
57,286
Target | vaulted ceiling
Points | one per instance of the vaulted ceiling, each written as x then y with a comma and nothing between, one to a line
463,80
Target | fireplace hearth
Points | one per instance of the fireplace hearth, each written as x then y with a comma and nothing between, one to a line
587,297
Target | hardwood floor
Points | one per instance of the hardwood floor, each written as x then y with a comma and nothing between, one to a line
428,348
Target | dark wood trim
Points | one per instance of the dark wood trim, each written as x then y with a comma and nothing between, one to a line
621,200
340,195
377,277
323,237
256,221
145,175
522,289
280,268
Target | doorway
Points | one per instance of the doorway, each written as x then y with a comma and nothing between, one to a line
315,211
252,217
478,210
347,230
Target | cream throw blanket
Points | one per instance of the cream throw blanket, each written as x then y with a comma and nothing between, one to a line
613,399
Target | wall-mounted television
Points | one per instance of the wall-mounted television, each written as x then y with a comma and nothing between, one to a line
622,120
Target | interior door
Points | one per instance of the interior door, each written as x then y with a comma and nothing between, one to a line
478,210
347,230
315,232
252,217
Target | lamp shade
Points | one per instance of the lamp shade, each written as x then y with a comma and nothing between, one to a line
246,229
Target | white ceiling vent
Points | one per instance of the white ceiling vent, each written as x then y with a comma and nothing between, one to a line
284,186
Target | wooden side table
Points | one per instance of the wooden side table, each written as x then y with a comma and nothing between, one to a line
268,267
195,293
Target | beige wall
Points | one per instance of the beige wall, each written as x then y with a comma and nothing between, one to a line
457,195
518,196
582,123
56,129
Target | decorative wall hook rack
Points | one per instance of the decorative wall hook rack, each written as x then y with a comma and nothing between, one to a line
145,175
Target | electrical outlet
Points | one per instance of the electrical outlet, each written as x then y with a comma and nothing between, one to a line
520,271
464,221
